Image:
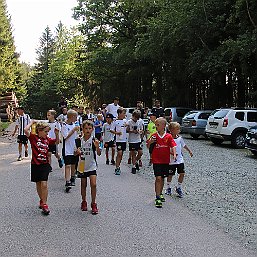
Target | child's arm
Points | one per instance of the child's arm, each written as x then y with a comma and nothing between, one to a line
56,131
174,153
67,135
188,149
27,128
150,141
97,147
15,130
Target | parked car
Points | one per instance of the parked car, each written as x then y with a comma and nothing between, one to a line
230,124
176,113
194,122
251,140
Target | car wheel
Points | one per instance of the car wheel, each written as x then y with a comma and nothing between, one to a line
254,152
216,141
195,136
238,140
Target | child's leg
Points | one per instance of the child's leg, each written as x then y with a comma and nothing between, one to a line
139,154
44,191
20,149
38,186
158,185
119,158
107,153
26,147
132,155
83,188
73,170
93,187
113,152
67,172
49,157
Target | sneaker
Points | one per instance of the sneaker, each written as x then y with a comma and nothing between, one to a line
112,162
168,191
162,198
140,163
179,192
117,171
67,186
133,171
107,162
158,203
72,181
84,206
19,158
60,162
129,160
45,209
26,154
137,166
94,208
40,204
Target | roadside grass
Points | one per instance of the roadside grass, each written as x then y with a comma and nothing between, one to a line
4,126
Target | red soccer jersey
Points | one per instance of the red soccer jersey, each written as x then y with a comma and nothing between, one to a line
39,148
161,151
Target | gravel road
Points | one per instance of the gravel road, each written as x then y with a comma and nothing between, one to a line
128,223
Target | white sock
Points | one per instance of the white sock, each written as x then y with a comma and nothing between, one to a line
179,185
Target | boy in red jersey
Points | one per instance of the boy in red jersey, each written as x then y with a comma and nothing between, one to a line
164,146
40,166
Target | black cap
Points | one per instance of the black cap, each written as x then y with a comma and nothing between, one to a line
109,115
152,114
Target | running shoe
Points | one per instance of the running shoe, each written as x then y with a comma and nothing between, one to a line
140,163
137,166
19,158
60,162
117,171
168,191
158,203
45,209
107,162
94,208
179,192
67,186
40,204
133,171
84,206
26,154
129,160
72,181
162,198
112,162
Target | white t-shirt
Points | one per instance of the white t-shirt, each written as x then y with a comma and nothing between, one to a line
180,145
22,122
88,154
69,144
135,125
120,126
112,108
107,135
53,125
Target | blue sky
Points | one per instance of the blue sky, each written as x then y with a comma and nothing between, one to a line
29,19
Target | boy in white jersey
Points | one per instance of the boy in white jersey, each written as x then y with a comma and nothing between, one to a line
118,128
178,164
22,121
54,134
108,138
135,129
87,150
69,133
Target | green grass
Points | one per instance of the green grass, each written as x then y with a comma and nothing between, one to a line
4,125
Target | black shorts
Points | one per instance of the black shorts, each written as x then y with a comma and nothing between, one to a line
87,174
22,139
98,136
40,172
109,144
70,159
180,168
121,146
135,146
52,149
161,170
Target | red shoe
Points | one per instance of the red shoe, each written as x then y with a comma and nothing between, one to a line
40,204
94,208
84,206
140,163
45,209
129,160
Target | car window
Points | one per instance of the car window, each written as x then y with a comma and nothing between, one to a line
167,112
131,110
190,115
252,116
181,112
204,116
220,114
240,115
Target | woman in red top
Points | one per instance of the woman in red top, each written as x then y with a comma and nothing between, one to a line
40,166
164,146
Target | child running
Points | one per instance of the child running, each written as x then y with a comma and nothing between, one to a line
135,129
22,121
108,139
164,146
87,149
151,129
69,132
40,166
98,125
178,164
54,131
118,128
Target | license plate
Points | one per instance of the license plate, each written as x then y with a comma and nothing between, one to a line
213,126
253,141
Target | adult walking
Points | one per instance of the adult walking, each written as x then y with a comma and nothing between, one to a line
113,107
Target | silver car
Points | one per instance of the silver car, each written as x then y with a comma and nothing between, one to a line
194,122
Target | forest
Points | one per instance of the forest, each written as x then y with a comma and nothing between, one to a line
199,54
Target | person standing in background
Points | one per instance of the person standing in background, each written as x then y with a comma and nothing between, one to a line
113,108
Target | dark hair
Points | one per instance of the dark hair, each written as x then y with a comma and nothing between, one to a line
20,108
88,122
116,98
136,114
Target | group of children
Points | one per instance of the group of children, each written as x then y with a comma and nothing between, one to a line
79,152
